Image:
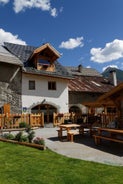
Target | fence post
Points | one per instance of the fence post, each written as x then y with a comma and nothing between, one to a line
42,119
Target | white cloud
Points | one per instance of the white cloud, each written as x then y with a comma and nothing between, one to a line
22,5
44,5
54,12
9,37
111,51
4,1
112,66
72,43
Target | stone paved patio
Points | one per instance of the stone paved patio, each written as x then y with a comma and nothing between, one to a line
83,148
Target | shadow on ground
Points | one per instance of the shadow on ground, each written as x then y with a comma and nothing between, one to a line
105,146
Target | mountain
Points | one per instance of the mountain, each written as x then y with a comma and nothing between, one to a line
119,73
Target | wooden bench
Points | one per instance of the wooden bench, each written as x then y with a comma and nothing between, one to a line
98,138
71,133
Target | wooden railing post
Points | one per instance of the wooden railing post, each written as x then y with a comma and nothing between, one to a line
42,119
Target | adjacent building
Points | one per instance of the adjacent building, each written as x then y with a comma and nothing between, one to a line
86,86
10,80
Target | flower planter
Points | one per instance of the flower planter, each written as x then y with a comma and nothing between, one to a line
38,146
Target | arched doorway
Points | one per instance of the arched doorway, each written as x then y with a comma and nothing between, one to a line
75,109
48,111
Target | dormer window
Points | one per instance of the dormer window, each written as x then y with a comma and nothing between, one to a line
43,63
44,57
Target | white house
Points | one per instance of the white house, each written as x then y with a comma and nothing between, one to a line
44,79
36,91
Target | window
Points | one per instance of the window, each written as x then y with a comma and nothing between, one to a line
43,62
31,85
52,85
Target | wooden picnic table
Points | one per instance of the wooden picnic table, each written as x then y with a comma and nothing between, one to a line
115,135
68,128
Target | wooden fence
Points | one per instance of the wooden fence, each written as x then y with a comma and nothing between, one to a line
37,120
14,120
100,119
60,118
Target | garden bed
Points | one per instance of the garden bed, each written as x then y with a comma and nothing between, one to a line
38,146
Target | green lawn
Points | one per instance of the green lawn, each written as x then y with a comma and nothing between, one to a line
25,165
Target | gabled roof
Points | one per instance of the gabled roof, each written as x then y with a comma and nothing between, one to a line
24,52
83,72
7,57
92,84
47,48
60,71
88,80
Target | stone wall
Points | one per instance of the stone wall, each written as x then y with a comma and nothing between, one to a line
10,87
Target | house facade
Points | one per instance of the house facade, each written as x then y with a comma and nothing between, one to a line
45,94
43,82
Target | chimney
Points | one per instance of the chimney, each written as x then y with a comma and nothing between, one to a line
80,68
114,77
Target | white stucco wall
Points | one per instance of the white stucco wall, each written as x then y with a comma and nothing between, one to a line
57,98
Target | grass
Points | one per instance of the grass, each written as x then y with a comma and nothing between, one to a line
25,165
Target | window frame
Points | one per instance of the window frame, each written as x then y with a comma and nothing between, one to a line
52,85
32,85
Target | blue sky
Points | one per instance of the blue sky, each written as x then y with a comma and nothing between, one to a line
87,32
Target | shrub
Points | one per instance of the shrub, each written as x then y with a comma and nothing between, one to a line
8,136
18,136
28,128
39,140
22,125
31,135
21,138
24,138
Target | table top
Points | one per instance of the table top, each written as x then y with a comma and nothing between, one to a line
72,125
111,130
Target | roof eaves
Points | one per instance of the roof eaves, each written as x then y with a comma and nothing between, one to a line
7,57
48,74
